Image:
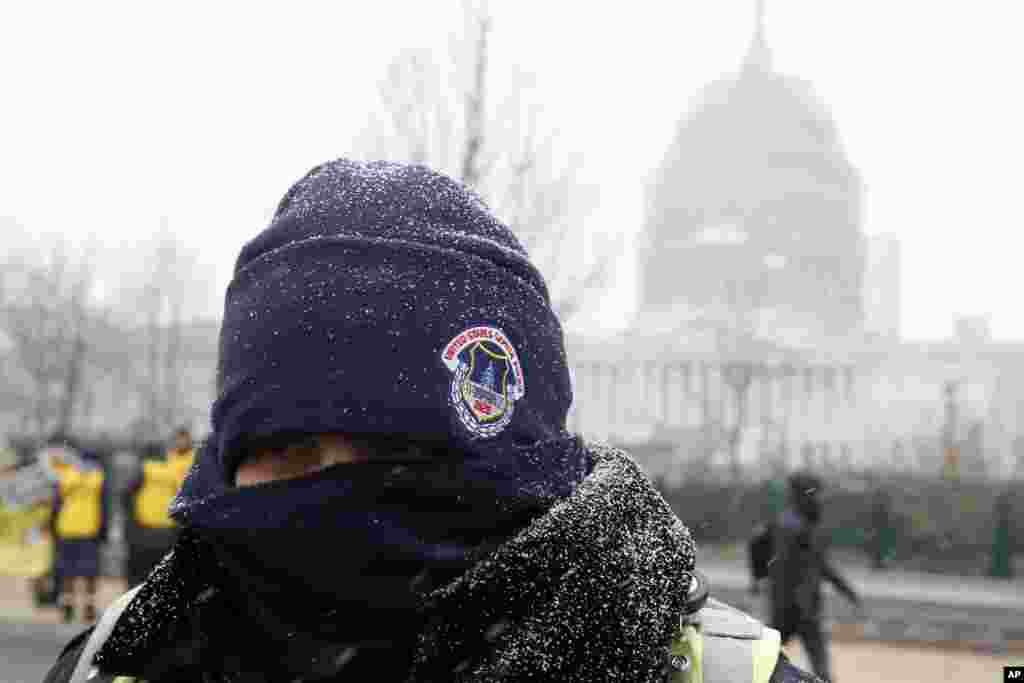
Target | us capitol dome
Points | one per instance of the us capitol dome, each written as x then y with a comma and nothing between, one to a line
754,217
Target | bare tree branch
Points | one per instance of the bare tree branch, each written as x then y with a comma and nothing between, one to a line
46,305
451,119
77,324
475,103
154,305
65,353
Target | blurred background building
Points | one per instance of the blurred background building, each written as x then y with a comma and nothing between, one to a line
768,335
755,214
881,295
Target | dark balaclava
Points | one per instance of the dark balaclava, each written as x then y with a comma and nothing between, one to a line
805,490
382,299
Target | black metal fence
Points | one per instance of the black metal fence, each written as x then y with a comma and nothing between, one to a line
896,521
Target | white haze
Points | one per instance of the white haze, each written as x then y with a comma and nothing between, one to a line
118,113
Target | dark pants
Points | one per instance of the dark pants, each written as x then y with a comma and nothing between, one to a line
77,557
146,547
811,635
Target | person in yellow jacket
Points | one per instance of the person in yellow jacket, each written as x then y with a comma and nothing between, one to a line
56,457
25,502
151,532
79,526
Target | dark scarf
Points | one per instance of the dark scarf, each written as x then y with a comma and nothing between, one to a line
590,589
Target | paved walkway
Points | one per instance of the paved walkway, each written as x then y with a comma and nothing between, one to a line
891,585
947,612
895,663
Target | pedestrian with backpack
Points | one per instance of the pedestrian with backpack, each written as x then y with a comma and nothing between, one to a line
791,554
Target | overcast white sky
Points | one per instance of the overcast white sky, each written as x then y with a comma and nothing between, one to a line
116,113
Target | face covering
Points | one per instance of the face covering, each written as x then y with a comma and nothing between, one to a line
306,557
595,584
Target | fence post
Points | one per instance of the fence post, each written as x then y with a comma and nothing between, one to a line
1001,566
883,542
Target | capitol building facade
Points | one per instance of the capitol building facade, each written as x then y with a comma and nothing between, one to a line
767,331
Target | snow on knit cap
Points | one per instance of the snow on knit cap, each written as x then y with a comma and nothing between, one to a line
387,299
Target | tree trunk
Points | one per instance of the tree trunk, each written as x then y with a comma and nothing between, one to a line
72,383
172,372
476,106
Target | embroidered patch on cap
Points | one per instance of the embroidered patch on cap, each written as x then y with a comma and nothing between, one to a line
487,379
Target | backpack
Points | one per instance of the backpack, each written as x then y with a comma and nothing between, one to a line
761,551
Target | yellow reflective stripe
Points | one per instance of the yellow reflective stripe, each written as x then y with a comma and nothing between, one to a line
690,644
127,679
766,654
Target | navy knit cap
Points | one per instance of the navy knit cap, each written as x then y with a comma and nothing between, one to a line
805,484
387,299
